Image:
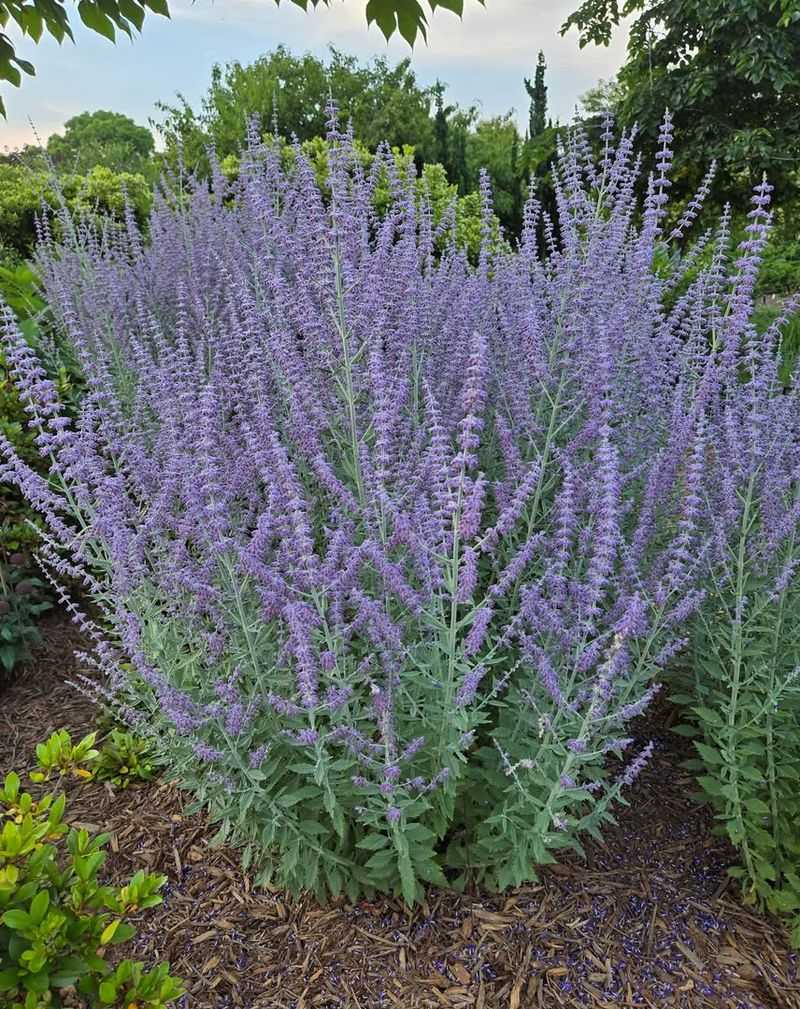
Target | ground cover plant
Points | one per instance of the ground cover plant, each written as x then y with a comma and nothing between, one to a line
394,547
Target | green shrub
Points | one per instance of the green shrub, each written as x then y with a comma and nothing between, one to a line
23,597
431,185
763,317
18,289
56,918
780,271
22,194
26,194
22,602
778,278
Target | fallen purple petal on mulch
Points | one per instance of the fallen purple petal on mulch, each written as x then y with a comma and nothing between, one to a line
646,921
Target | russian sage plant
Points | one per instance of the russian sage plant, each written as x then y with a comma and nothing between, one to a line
743,693
389,548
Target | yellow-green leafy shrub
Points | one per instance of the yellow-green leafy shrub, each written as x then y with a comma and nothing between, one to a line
57,919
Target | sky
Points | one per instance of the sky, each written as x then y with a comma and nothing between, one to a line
482,58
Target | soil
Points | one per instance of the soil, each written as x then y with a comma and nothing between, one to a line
647,920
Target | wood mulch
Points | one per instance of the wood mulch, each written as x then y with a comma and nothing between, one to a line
647,920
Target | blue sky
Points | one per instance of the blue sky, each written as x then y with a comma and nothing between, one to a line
482,58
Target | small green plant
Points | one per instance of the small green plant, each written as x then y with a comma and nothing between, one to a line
16,805
60,754
124,759
57,919
130,985
21,604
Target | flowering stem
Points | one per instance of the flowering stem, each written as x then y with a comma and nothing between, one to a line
349,391
737,653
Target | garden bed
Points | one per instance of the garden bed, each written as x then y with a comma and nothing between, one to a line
648,920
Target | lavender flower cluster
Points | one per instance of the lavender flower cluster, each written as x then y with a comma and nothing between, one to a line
393,548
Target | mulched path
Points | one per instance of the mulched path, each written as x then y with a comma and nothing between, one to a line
647,921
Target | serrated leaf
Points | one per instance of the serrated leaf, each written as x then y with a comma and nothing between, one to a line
709,716
408,880
784,901
289,799
373,842
313,828
710,785
381,861
709,754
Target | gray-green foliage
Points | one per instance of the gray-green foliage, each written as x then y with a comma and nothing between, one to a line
742,699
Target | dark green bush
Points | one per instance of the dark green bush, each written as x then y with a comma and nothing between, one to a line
22,601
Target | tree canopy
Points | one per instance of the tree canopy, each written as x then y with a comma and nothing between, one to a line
288,94
101,138
727,70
